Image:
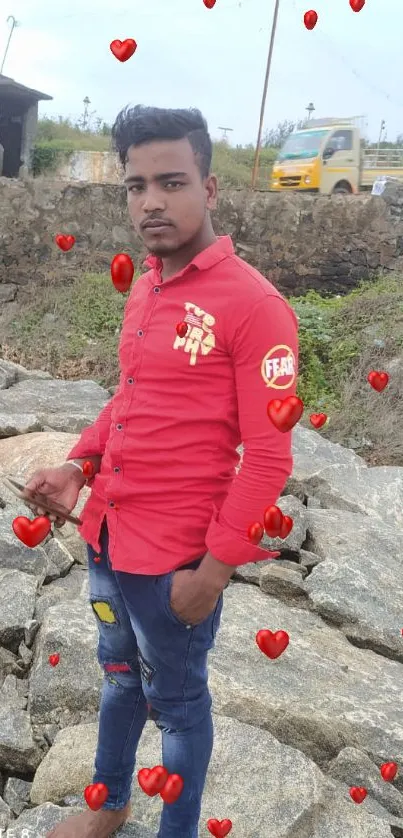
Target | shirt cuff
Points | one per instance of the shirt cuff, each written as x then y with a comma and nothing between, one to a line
228,547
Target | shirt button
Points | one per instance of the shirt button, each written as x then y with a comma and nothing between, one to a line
119,427
111,504
130,380
157,290
140,333
116,469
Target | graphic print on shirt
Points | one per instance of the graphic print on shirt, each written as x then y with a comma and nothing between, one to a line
200,339
278,367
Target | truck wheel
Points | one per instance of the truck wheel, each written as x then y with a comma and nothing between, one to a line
342,189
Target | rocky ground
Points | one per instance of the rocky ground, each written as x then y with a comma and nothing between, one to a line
292,735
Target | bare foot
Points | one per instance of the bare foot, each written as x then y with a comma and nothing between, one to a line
89,824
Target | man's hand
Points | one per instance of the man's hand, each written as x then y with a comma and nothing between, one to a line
191,599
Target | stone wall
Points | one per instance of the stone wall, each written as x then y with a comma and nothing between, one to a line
298,241
91,167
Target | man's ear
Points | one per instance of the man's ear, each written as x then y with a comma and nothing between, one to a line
212,192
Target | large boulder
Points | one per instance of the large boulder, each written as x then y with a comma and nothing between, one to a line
54,404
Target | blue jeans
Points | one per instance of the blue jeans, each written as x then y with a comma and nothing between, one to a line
155,667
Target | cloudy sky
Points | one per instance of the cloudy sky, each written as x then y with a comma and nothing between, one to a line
187,55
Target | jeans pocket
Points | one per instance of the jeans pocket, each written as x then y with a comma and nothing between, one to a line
166,592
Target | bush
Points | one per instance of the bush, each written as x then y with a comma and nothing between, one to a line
47,156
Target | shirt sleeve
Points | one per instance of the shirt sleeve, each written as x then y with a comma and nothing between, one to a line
265,358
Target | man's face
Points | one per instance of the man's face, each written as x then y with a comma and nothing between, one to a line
164,184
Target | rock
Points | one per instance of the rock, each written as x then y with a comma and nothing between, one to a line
18,751
311,454
36,823
21,456
8,664
377,492
283,583
60,405
60,590
73,686
14,555
309,560
16,794
353,767
18,373
15,691
289,791
359,586
294,508
59,560
17,604
339,707
333,698
6,815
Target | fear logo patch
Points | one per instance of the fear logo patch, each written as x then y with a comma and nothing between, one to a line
278,367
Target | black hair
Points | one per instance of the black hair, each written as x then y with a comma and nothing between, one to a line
140,124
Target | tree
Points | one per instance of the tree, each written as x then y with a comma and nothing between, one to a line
276,137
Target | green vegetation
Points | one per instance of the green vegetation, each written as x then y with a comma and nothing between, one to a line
57,140
72,330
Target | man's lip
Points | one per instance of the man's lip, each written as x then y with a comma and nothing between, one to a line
149,225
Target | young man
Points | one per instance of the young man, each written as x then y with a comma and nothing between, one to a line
167,520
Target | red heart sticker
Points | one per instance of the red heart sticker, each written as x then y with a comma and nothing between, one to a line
286,526
310,19
209,3
357,5
285,413
318,419
255,533
65,242
181,329
88,469
358,794
96,795
152,780
97,559
173,788
33,532
219,828
123,50
273,519
272,644
122,270
54,659
378,380
389,771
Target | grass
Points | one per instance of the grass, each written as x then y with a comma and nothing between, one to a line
73,332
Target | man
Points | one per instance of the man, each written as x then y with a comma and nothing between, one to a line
168,517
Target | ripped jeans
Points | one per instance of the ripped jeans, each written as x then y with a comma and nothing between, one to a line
155,667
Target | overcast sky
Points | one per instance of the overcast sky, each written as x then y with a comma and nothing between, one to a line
187,55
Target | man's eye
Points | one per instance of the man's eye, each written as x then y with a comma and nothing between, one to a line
174,182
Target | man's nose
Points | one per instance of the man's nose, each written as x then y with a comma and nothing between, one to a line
153,201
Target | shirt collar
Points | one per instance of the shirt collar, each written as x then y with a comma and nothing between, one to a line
207,258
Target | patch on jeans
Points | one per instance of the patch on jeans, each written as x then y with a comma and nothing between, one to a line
104,612
146,670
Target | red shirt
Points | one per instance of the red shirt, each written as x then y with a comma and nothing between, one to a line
168,483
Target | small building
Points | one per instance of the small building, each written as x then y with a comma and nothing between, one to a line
18,122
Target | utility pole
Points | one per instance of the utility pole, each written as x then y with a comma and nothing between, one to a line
266,81
224,137
14,25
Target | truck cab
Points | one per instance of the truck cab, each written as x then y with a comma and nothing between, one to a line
324,158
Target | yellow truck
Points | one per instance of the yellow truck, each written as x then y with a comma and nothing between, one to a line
327,157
